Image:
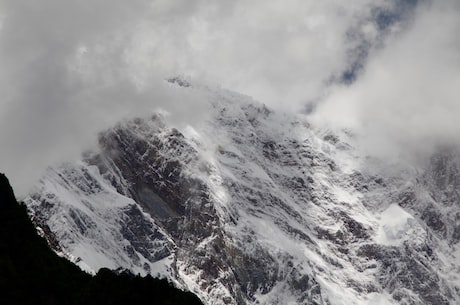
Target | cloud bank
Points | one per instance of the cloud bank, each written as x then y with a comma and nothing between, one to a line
71,67
64,77
407,98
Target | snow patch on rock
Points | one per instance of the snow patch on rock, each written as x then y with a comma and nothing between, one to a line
397,226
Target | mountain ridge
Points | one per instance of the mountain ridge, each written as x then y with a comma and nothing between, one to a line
256,206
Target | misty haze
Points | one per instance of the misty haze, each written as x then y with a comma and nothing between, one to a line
249,152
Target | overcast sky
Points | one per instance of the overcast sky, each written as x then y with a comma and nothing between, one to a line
70,68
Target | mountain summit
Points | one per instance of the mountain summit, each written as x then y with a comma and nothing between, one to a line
256,206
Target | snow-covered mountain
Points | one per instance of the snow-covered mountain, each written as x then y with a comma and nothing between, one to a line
255,206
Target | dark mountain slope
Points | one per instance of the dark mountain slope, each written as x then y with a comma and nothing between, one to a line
31,273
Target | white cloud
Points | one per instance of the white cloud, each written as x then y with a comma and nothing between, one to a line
73,67
407,98
279,52
64,77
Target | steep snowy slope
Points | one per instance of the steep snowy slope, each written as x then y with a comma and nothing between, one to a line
257,207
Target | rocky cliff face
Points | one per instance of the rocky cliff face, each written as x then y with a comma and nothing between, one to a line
258,207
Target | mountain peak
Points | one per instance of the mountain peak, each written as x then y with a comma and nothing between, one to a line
256,206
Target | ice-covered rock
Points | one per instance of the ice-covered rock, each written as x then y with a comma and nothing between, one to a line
255,206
